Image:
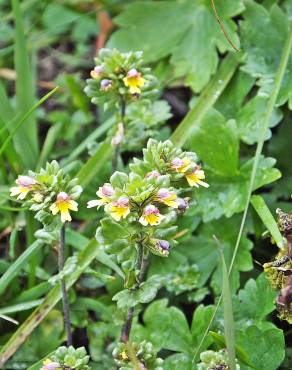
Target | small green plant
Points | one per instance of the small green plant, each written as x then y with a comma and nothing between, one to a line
67,358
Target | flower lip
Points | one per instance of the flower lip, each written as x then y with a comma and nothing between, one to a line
150,209
122,202
133,73
62,197
107,190
163,193
25,181
105,84
152,175
177,162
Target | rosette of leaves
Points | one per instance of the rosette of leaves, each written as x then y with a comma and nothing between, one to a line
142,120
107,87
134,355
50,181
71,358
158,156
211,360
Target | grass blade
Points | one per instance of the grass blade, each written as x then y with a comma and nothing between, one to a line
267,218
17,265
227,312
94,164
25,117
20,307
207,99
84,259
7,318
26,138
271,103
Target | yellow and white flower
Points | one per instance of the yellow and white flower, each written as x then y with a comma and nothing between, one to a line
167,197
105,193
25,185
50,365
151,216
134,81
64,204
181,165
120,208
195,177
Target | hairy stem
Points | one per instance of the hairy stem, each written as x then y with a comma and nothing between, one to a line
141,265
117,147
66,308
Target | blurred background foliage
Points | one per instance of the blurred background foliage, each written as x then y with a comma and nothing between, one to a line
45,44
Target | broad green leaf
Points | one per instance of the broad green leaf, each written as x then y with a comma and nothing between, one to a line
267,218
166,327
250,119
193,57
200,320
255,302
206,100
217,144
264,347
112,231
179,361
26,138
264,48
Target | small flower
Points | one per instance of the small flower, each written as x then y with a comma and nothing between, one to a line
120,208
25,185
167,197
151,216
104,192
63,204
105,84
152,175
134,81
183,204
97,72
195,178
50,365
163,244
181,165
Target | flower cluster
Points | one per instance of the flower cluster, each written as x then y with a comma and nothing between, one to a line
147,201
67,358
279,272
48,192
163,158
49,189
119,75
127,355
211,360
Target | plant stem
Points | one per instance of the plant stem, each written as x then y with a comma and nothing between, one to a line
141,265
117,148
66,308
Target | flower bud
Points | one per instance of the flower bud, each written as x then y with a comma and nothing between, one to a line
25,181
105,84
163,244
183,204
97,72
152,175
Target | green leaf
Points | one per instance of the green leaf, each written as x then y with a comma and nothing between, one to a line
167,327
179,361
266,216
112,231
85,257
20,307
264,49
200,320
210,137
193,57
26,139
206,100
250,120
228,315
265,347
94,164
17,265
